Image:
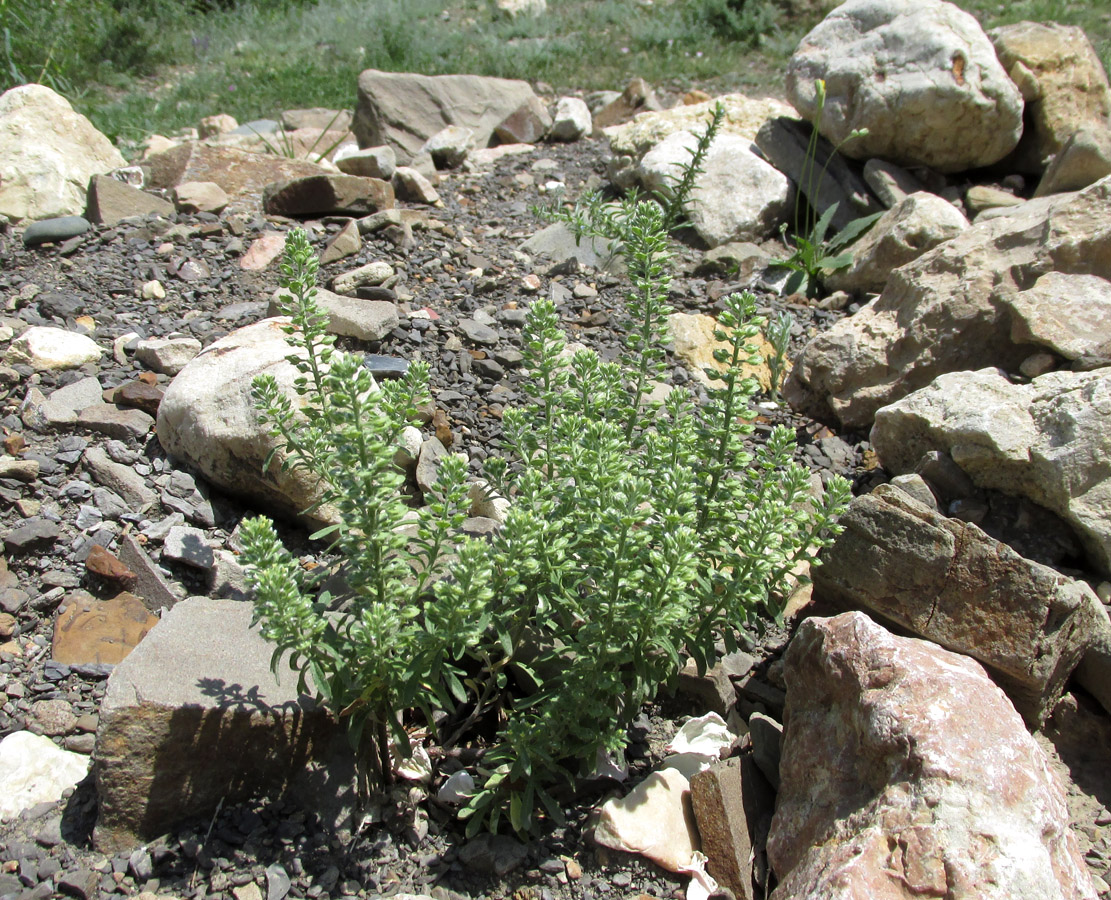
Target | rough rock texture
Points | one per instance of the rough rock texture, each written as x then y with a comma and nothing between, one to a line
946,310
906,773
1062,81
920,75
88,630
694,343
743,118
945,580
366,320
110,200
239,174
207,417
1047,440
45,349
48,153
737,197
323,194
1094,672
1068,314
403,111
1083,160
185,724
35,770
901,235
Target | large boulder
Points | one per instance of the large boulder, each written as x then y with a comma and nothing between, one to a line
737,197
920,75
1063,83
403,111
1068,314
902,234
947,581
195,717
1047,440
948,309
208,418
48,153
906,773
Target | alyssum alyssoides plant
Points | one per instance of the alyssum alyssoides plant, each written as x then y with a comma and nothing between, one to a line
638,533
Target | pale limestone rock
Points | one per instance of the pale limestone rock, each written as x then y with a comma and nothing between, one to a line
365,320
168,355
1047,440
743,118
48,349
906,773
694,341
48,153
737,197
902,234
33,769
655,820
1069,314
920,75
571,120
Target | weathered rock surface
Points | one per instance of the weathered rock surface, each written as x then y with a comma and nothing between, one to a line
110,200
48,153
1068,314
902,234
945,580
323,194
207,417
920,75
1047,440
186,724
654,819
743,118
737,197
366,320
1062,82
34,770
1094,672
403,111
45,349
947,310
1083,160
907,773
88,630
241,175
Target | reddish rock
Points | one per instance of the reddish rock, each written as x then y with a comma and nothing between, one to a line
88,630
240,174
906,773
101,563
140,395
263,251
322,194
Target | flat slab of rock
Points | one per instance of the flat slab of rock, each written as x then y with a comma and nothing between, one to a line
907,773
110,200
947,581
1068,314
403,111
195,716
366,320
89,631
321,194
1047,440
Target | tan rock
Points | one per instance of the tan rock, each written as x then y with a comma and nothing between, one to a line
110,200
322,194
655,820
263,251
210,126
200,196
907,773
1062,81
693,337
88,630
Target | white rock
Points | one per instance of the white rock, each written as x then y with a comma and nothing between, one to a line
707,735
457,789
486,502
48,349
167,355
737,197
449,146
515,8
48,153
33,769
655,820
571,120
920,75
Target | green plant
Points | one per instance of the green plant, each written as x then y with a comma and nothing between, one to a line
778,333
287,147
812,254
637,532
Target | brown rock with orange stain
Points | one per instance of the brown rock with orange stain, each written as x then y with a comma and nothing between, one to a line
101,563
88,630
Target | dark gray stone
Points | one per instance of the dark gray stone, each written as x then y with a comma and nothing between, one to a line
53,230
479,334
33,534
386,366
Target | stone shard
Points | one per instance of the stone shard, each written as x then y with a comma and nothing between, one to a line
947,310
403,111
186,724
946,581
1047,440
919,75
907,773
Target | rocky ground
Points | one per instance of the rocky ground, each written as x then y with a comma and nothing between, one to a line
466,267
